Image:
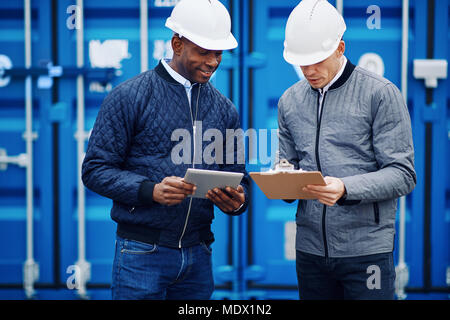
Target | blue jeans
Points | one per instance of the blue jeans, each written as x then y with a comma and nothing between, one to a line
145,271
370,277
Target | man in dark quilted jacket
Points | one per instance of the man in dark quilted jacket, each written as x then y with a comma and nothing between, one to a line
163,236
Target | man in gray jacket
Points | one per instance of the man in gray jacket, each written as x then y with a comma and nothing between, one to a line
354,127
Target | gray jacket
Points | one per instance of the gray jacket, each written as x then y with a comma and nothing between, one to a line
363,136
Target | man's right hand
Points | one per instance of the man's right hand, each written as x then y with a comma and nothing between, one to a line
172,190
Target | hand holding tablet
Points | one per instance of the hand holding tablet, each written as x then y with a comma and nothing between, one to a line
172,190
206,180
228,200
221,187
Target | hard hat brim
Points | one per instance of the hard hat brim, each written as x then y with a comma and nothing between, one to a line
307,59
205,43
219,44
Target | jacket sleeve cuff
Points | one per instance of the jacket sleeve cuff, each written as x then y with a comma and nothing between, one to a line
145,194
343,201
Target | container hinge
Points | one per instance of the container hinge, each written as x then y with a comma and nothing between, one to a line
401,280
430,70
20,160
82,276
30,276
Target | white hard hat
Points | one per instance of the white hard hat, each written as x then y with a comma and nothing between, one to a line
206,23
313,32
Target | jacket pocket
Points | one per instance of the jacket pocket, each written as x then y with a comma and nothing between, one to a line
206,247
376,212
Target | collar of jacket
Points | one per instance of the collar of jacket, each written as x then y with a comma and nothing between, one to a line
162,72
349,67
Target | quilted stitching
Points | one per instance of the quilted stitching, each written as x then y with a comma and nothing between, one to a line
131,142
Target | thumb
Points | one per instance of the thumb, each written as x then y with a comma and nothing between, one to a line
328,180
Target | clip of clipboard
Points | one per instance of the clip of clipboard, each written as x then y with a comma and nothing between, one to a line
286,183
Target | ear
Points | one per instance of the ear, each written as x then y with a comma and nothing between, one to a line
177,45
341,48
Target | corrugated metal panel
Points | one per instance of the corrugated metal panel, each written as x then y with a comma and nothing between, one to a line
440,190
254,254
111,40
111,27
13,205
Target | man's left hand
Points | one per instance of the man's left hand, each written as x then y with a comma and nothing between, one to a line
328,194
228,201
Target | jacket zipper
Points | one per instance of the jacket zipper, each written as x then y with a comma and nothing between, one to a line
324,212
193,164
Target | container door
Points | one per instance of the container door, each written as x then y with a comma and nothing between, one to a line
112,40
16,159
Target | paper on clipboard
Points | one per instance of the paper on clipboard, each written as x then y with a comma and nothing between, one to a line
286,184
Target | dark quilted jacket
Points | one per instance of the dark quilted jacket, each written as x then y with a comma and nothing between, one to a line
130,149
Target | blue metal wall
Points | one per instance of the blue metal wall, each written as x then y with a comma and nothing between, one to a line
253,255
12,127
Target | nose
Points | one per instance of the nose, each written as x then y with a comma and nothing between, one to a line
213,60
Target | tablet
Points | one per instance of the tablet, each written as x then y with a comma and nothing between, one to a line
206,180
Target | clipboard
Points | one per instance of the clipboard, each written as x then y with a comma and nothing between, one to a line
286,183
206,180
